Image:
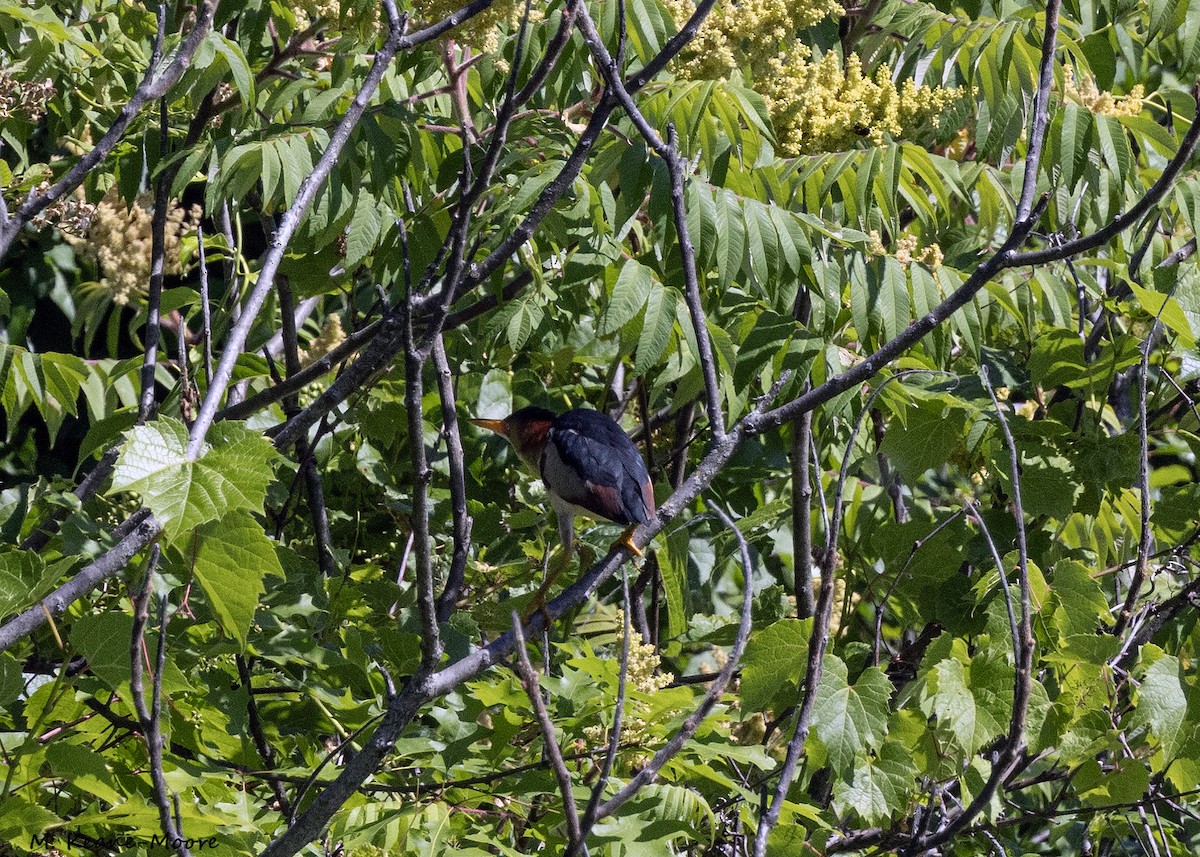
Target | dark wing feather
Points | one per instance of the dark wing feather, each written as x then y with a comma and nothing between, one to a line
613,482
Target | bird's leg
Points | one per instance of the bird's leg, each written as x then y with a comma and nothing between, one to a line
626,541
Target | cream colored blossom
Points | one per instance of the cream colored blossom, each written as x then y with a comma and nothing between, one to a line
642,676
748,31
1087,94
907,252
330,337
348,17
118,239
482,32
828,106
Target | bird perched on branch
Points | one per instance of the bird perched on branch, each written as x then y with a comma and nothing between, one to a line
588,464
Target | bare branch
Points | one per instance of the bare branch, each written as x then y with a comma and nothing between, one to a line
669,152
458,484
529,680
133,535
158,252
289,223
1142,569
614,735
265,751
687,729
1126,218
818,640
1179,256
1041,112
148,715
414,394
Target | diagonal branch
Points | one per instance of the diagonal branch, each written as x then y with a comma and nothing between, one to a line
458,484
669,152
687,729
290,222
529,681
148,715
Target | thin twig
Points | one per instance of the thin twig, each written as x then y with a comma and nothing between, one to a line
529,681
265,751
148,715
669,152
452,591
158,252
1041,113
133,535
396,40
688,728
614,735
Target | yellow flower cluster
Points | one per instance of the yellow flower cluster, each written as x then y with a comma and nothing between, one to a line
348,17
118,240
824,106
24,100
481,32
906,253
746,31
330,337
1097,100
642,677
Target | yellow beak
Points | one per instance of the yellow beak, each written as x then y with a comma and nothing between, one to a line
497,426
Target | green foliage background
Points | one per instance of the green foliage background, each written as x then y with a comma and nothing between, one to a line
280,656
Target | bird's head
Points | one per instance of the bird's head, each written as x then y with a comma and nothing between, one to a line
526,429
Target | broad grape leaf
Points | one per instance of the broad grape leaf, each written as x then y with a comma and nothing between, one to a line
104,640
232,473
230,558
973,701
879,785
774,656
850,718
930,434
1163,703
1080,607
25,578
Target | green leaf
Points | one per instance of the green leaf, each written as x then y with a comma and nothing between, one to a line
731,237
1074,143
86,769
850,718
1079,605
104,639
770,336
673,808
1162,705
230,558
232,472
1167,310
363,231
929,435
973,701
629,295
21,819
893,298
774,659
239,69
674,578
25,579
12,683
657,325
879,785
